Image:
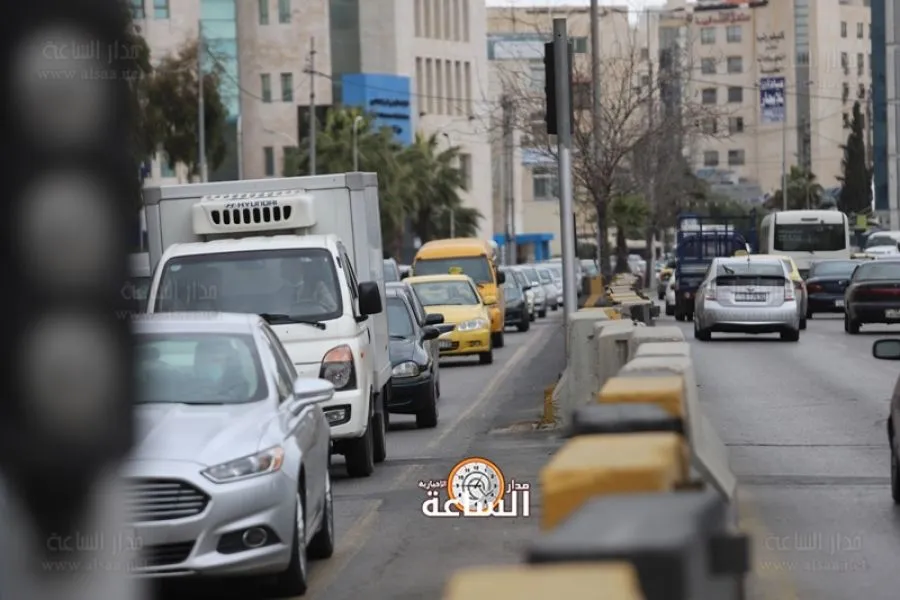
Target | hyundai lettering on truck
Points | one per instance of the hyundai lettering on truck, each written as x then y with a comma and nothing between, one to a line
305,253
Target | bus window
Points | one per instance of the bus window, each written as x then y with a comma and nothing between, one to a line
812,237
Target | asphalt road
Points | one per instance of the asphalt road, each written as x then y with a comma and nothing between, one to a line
387,549
805,426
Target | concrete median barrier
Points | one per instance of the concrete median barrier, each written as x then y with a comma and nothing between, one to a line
709,456
663,349
668,333
637,417
582,360
612,581
595,465
611,338
665,392
682,545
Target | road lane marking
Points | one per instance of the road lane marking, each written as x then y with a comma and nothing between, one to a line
350,545
362,530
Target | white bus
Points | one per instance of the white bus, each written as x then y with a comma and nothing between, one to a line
806,236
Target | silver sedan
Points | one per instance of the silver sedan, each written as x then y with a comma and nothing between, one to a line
229,475
739,295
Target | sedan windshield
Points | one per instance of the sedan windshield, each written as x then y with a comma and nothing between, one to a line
512,291
298,284
545,276
399,322
198,368
445,293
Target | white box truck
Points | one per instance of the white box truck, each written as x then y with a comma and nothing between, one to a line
304,252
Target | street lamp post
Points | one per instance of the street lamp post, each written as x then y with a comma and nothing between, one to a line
356,123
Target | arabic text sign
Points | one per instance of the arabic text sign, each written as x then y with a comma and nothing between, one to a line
514,502
771,99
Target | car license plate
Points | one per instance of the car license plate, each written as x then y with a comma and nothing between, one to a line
892,314
445,345
750,297
839,303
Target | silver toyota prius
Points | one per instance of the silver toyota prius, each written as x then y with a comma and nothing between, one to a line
739,295
229,473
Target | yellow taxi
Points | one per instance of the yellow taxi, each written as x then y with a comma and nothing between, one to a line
479,260
799,284
456,297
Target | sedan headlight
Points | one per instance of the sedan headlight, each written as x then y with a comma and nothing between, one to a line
406,369
267,461
473,324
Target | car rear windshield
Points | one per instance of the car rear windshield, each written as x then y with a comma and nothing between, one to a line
837,268
399,321
476,267
198,368
754,273
878,271
545,275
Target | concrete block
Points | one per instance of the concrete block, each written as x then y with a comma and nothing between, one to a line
611,339
638,417
668,333
666,392
595,465
581,365
709,456
611,580
663,349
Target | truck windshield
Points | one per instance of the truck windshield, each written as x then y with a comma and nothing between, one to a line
476,267
299,283
812,237
135,292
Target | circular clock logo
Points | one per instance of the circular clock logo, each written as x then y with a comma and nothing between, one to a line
478,479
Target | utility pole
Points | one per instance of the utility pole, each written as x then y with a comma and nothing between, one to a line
201,106
508,180
651,180
596,114
312,106
784,173
563,85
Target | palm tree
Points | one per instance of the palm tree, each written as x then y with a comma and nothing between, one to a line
628,214
804,191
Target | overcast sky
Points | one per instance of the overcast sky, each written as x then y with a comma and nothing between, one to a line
636,4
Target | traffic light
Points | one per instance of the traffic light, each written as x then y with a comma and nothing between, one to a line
71,184
550,88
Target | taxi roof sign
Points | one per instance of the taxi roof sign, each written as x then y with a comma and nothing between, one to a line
742,253
455,271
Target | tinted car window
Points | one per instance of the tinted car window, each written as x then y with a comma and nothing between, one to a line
771,269
832,269
399,319
878,271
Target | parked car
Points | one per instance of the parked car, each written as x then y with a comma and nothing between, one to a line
415,358
825,285
873,295
230,472
526,287
391,270
541,302
556,272
739,295
670,297
889,349
516,307
456,297
551,290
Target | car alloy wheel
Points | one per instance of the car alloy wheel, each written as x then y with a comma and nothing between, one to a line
294,581
300,538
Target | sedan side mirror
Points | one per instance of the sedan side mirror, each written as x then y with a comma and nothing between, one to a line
369,298
434,319
308,390
886,349
501,277
430,333
526,288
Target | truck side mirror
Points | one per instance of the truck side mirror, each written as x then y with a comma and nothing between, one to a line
501,277
369,298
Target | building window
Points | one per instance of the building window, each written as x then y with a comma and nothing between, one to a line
846,119
734,34
465,170
843,29
269,160
263,12
287,87
708,66
859,30
467,90
735,64
160,9
580,45
709,96
448,21
709,125
735,158
137,9
845,92
860,63
427,17
861,91
845,62
457,28
544,183
711,158
735,125
708,35
284,11
645,82
735,94
265,81
417,15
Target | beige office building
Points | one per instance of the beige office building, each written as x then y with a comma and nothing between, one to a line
815,54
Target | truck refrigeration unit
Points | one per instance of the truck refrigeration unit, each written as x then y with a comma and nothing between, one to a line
306,254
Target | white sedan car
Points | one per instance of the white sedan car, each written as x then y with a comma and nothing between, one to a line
670,297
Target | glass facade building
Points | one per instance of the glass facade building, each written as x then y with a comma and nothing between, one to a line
218,25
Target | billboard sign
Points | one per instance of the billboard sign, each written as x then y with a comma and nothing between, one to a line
771,100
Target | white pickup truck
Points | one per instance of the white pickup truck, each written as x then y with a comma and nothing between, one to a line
304,252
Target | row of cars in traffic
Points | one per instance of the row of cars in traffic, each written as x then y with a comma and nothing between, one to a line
764,293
